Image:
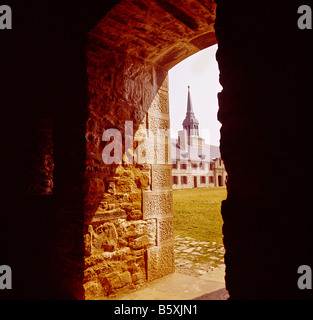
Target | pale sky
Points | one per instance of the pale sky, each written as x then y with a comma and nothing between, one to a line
200,72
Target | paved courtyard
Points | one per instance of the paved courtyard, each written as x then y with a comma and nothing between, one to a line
199,274
197,258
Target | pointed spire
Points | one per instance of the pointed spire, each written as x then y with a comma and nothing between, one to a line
189,103
191,124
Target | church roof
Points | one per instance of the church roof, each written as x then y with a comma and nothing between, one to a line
196,154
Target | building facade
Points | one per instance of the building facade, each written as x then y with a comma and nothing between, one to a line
195,164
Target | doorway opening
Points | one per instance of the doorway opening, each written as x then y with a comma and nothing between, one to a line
195,184
129,198
220,181
193,88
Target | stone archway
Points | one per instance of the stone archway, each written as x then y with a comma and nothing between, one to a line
265,70
128,217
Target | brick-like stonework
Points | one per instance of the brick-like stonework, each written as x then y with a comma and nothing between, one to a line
157,204
161,177
165,230
160,261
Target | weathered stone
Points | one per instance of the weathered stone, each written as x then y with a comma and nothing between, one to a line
141,242
204,41
135,197
165,230
90,275
157,204
157,122
160,261
115,280
138,277
161,177
88,244
125,278
93,290
93,259
134,215
160,103
105,237
143,180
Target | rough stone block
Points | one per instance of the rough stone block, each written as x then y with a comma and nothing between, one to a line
160,261
160,77
93,289
142,242
139,234
160,103
158,122
138,277
105,238
157,204
161,177
161,149
145,153
125,278
115,280
143,180
165,230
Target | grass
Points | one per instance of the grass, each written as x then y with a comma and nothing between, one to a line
197,213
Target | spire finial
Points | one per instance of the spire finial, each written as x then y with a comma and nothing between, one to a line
190,123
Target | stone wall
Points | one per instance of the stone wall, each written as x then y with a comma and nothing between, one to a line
128,206
119,232
37,156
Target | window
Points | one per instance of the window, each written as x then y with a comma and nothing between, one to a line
175,180
184,180
174,165
194,165
211,166
202,179
211,180
183,166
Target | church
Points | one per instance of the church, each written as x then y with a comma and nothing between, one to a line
195,164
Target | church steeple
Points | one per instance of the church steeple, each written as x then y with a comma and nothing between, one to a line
190,124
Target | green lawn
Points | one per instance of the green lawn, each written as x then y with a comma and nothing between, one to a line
197,213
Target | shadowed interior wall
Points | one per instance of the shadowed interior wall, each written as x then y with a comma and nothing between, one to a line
266,113
87,71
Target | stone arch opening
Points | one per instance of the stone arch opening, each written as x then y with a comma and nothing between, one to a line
128,206
265,72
